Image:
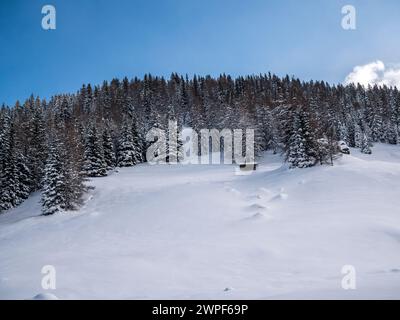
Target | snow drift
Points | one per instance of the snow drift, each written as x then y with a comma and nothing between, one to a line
172,232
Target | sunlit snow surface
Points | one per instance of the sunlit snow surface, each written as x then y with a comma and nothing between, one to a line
191,232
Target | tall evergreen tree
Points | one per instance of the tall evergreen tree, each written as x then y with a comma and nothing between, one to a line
108,148
54,183
22,178
37,152
8,183
94,164
301,152
15,178
63,185
365,144
129,152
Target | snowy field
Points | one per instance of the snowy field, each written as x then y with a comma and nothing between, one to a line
194,232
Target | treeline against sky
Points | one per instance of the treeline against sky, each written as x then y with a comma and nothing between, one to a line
54,145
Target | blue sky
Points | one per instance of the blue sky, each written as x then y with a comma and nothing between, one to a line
97,40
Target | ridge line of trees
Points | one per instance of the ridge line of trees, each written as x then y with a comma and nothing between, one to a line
53,146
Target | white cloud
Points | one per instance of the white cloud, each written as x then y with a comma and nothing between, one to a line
375,73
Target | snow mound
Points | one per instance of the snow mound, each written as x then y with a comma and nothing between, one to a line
256,206
279,197
45,296
258,216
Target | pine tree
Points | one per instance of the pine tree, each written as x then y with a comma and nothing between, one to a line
5,162
15,182
129,152
391,133
108,148
365,144
87,98
300,154
266,137
138,142
174,141
8,182
74,185
22,178
309,135
297,156
94,164
377,127
54,183
358,136
184,104
63,184
344,133
37,152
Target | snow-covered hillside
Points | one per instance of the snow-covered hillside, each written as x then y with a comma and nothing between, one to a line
191,232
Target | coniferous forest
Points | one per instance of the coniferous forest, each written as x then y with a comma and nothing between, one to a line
53,146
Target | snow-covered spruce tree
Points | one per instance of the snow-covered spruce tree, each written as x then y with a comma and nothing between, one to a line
108,148
266,135
327,147
8,183
309,134
344,133
5,159
273,135
327,129
391,133
393,122
73,164
87,98
184,104
198,106
174,141
94,164
377,127
174,146
15,178
139,143
23,179
74,185
365,144
54,183
362,138
129,152
37,152
358,136
301,151
63,186
297,155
